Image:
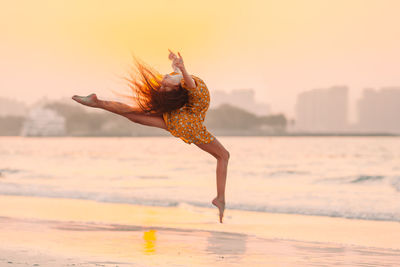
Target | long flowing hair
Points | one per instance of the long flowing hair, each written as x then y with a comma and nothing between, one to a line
144,83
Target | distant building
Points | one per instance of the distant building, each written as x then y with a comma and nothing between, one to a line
43,122
322,110
379,111
242,98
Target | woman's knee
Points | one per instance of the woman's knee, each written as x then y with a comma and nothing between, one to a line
216,149
224,155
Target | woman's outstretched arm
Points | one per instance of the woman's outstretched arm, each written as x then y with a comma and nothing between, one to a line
178,62
188,79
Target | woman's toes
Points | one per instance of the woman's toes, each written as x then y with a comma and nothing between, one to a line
85,100
221,207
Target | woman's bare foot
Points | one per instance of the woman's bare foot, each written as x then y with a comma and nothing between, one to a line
90,100
221,207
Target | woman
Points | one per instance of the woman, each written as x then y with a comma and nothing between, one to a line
176,102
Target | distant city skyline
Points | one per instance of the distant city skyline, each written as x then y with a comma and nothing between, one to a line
316,110
290,111
326,110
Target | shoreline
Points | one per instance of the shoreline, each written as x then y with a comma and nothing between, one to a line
194,206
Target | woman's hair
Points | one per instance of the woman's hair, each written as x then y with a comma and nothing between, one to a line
145,82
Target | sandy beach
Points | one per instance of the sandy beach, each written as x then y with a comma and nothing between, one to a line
38,231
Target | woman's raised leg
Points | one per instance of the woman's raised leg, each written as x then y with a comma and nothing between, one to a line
216,149
135,115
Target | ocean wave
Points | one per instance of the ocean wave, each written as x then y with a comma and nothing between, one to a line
373,216
357,179
8,170
366,178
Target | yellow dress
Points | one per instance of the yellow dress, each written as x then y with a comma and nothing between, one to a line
186,122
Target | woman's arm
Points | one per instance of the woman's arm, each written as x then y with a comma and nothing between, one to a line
188,79
178,62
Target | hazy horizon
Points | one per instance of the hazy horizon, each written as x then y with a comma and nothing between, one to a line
279,49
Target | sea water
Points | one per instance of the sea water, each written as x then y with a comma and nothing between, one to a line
351,177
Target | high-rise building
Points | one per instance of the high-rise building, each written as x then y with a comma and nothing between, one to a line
379,111
322,110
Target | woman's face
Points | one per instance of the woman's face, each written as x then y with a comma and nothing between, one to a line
169,82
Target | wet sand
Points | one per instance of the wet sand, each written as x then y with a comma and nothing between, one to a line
37,231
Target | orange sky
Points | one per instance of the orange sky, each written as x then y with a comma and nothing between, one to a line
279,48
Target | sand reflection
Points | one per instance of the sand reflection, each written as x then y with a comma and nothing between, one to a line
224,244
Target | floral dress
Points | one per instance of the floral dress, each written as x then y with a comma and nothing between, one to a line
186,122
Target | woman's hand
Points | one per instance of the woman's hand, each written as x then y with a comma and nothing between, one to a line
171,55
178,62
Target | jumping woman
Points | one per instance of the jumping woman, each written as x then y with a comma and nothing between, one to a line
176,102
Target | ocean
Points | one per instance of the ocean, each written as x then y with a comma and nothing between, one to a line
349,177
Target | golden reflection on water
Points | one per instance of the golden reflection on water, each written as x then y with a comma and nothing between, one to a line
149,242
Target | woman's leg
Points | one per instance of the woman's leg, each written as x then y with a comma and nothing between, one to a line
135,115
216,149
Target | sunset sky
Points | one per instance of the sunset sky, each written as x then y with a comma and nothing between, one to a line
279,48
